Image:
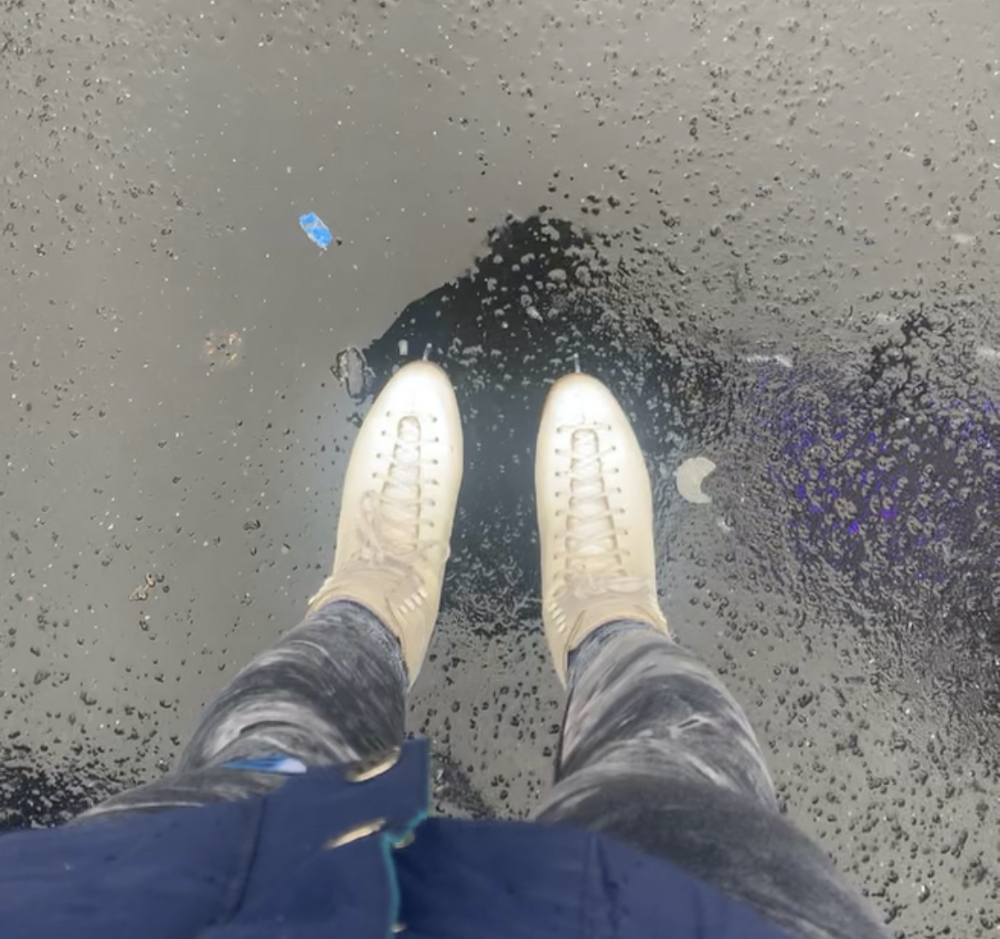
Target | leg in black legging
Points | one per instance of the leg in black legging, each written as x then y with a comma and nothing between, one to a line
656,753
332,690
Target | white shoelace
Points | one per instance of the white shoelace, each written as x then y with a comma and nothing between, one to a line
390,518
595,561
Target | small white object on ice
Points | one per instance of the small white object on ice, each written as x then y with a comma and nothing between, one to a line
782,360
690,475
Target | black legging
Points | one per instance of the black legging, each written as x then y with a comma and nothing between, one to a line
655,753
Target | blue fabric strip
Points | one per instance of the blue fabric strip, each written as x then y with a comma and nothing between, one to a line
275,763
